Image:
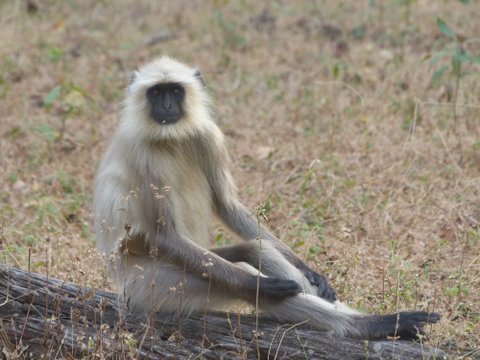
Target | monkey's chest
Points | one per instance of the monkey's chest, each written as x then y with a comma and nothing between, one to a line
191,201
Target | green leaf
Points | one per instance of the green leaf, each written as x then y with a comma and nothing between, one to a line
440,55
219,240
358,32
437,75
456,66
299,243
52,209
315,250
465,2
55,53
458,58
336,71
77,88
474,59
337,68
49,132
463,57
52,96
443,27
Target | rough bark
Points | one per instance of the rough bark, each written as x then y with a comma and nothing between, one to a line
48,318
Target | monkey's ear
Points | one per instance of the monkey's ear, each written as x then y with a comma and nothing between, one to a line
198,75
133,77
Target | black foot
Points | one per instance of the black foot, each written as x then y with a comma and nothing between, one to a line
406,325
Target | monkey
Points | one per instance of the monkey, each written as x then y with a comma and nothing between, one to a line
162,181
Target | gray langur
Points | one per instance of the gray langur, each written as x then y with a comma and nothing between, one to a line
162,179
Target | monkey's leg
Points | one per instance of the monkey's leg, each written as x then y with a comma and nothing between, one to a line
264,255
243,223
149,285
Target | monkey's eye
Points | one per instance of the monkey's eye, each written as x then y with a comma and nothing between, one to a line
156,92
177,92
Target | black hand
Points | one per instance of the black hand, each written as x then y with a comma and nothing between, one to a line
324,290
272,289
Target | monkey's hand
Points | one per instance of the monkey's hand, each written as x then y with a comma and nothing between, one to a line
324,290
271,289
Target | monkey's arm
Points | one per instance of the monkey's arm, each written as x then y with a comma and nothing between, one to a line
244,223
187,255
240,220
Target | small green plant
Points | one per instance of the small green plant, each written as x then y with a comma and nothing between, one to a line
457,291
70,99
232,37
52,96
54,54
47,131
339,68
456,51
263,210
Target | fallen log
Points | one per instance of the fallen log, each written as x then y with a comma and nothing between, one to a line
49,318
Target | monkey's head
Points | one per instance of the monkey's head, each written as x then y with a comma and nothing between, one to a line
166,100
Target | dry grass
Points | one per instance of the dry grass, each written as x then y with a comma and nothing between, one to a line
333,123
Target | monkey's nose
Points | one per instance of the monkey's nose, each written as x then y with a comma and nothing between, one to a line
167,103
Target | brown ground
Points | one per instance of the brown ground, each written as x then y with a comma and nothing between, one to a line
360,161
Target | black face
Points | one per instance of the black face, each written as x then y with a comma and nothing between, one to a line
166,101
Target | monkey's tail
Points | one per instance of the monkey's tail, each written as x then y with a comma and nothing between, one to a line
346,322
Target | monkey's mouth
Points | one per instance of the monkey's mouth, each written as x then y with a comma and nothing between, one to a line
166,117
167,120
